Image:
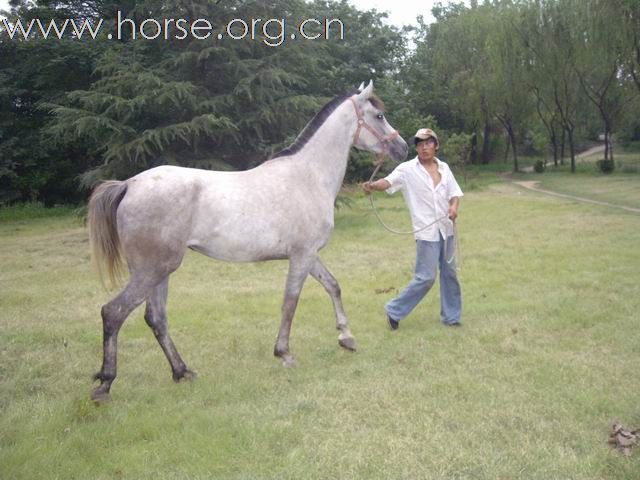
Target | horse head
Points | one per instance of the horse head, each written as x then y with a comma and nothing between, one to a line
374,134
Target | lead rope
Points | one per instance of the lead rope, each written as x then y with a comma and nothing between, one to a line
412,232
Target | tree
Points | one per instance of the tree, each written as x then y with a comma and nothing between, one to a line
545,32
508,83
449,71
631,31
599,46
33,72
210,104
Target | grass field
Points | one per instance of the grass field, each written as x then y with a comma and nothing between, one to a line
621,187
548,358
618,189
627,160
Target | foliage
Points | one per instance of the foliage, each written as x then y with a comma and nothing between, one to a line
226,104
31,73
539,166
457,148
516,77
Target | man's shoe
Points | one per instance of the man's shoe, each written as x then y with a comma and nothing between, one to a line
453,324
393,324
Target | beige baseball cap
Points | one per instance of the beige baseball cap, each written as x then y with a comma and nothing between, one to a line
425,133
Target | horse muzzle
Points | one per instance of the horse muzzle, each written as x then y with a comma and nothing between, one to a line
398,149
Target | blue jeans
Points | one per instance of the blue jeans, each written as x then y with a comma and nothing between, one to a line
429,256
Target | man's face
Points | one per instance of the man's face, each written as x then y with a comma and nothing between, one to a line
426,149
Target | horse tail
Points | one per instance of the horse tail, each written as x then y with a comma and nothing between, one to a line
103,229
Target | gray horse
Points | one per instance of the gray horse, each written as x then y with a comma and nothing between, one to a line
282,209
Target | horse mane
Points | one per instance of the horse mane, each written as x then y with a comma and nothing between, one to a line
316,122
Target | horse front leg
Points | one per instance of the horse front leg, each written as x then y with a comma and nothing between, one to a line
320,272
299,267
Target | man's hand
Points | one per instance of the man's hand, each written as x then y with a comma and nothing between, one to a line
366,186
453,212
453,208
376,186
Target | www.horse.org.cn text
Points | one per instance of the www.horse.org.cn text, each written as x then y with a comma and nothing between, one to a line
271,31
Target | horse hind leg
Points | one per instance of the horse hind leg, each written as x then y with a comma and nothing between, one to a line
320,272
156,317
114,314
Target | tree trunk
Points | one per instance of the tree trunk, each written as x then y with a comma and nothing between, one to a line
550,125
608,150
506,151
611,147
571,150
473,154
508,127
512,137
636,77
486,154
562,145
554,144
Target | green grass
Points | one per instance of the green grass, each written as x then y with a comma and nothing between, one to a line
618,189
548,358
627,161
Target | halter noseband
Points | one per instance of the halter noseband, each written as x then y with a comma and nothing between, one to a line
383,139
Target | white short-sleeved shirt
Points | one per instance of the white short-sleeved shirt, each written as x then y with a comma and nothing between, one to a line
426,201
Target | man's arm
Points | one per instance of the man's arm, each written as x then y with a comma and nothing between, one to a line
377,186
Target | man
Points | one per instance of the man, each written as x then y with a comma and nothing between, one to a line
432,195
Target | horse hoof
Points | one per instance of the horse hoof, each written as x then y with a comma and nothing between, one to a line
288,361
100,397
185,376
348,343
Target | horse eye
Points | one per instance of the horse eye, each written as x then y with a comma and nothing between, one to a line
379,116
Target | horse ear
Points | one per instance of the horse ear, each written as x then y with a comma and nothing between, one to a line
367,92
361,87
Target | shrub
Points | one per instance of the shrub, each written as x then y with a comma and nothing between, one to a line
605,166
539,166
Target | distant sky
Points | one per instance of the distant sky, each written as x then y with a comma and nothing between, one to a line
401,12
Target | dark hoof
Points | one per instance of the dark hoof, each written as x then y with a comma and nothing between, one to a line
185,376
349,343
